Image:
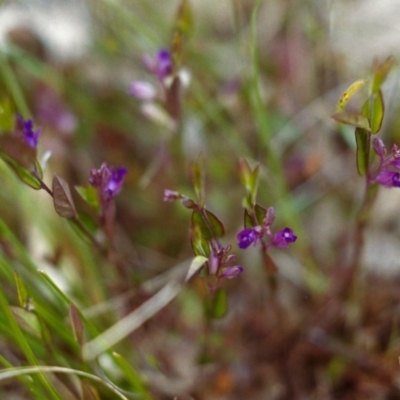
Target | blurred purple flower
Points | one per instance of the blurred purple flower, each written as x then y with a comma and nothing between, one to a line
142,90
108,181
161,66
283,238
24,129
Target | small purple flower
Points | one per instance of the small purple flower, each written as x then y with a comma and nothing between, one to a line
232,272
171,195
161,66
164,66
246,237
108,181
24,129
283,238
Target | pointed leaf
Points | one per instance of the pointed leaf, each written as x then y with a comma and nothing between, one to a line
195,266
362,150
197,175
26,176
380,72
77,324
210,226
27,320
353,119
199,244
348,94
260,213
374,110
62,199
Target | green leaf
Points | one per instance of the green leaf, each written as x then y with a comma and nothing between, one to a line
90,195
62,199
376,112
255,217
27,320
362,150
353,119
210,226
199,244
348,94
23,174
380,72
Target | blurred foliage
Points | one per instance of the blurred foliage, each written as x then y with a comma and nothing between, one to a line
255,84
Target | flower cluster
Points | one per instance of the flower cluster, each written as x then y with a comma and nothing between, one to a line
388,173
220,264
108,181
258,233
24,130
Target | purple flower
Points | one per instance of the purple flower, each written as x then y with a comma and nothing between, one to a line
283,238
24,129
164,66
161,66
232,272
388,179
246,237
108,181
388,173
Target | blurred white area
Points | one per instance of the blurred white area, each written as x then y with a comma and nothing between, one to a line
63,26
362,30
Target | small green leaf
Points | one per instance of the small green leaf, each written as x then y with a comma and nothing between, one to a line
260,213
195,266
255,217
62,199
27,320
210,226
197,175
380,72
348,94
26,176
199,244
362,150
376,112
353,119
90,195
18,150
